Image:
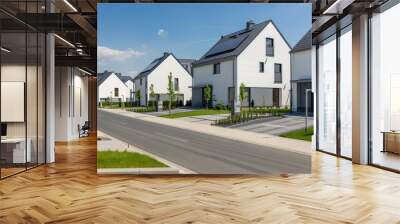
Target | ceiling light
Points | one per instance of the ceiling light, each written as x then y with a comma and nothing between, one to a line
70,5
337,7
5,50
64,40
84,71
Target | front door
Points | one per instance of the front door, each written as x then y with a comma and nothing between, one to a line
276,97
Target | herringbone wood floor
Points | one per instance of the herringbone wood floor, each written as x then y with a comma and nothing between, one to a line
69,191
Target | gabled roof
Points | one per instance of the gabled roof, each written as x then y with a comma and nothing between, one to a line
304,43
154,64
233,44
101,77
125,78
186,60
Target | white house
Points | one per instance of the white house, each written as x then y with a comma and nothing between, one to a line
156,74
301,74
257,56
115,87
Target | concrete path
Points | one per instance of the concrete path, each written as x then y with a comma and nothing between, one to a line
173,111
206,149
204,119
277,126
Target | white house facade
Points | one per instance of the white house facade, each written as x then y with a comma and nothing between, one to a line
115,87
157,73
301,75
257,56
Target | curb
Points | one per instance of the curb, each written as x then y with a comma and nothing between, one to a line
138,171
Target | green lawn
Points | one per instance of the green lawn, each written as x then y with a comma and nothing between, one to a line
113,159
196,113
300,134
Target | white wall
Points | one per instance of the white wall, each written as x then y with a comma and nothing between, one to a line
71,86
159,78
131,88
300,69
248,63
142,89
203,75
301,65
106,89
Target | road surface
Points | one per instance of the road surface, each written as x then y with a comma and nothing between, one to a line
199,152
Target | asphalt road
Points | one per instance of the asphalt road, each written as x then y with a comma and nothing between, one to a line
199,152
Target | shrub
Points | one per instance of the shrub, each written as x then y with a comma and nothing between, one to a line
142,109
219,106
251,114
188,103
166,102
152,103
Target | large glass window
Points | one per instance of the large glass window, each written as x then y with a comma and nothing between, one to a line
277,73
327,95
22,101
346,92
385,89
269,47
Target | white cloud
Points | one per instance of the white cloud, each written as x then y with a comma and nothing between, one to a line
106,53
162,33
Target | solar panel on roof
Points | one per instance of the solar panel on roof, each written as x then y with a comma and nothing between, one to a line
229,44
151,66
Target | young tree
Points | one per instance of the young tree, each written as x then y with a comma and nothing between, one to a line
171,92
207,95
138,95
242,95
152,95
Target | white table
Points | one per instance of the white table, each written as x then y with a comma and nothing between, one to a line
19,154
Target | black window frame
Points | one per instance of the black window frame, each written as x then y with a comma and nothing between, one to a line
268,51
261,67
116,92
176,84
217,68
276,73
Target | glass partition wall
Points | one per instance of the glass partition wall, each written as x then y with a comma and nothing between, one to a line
22,107
334,117
385,89
327,95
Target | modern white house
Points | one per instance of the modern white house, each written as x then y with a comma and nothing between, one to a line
257,56
115,87
301,64
156,74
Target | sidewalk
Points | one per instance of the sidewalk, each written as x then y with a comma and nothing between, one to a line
234,134
106,142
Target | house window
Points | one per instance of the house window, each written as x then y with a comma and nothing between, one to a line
278,73
269,47
116,92
176,84
217,68
261,66
141,80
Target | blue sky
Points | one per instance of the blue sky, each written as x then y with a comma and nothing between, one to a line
130,36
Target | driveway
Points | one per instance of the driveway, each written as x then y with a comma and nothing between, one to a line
277,126
173,111
201,152
204,119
